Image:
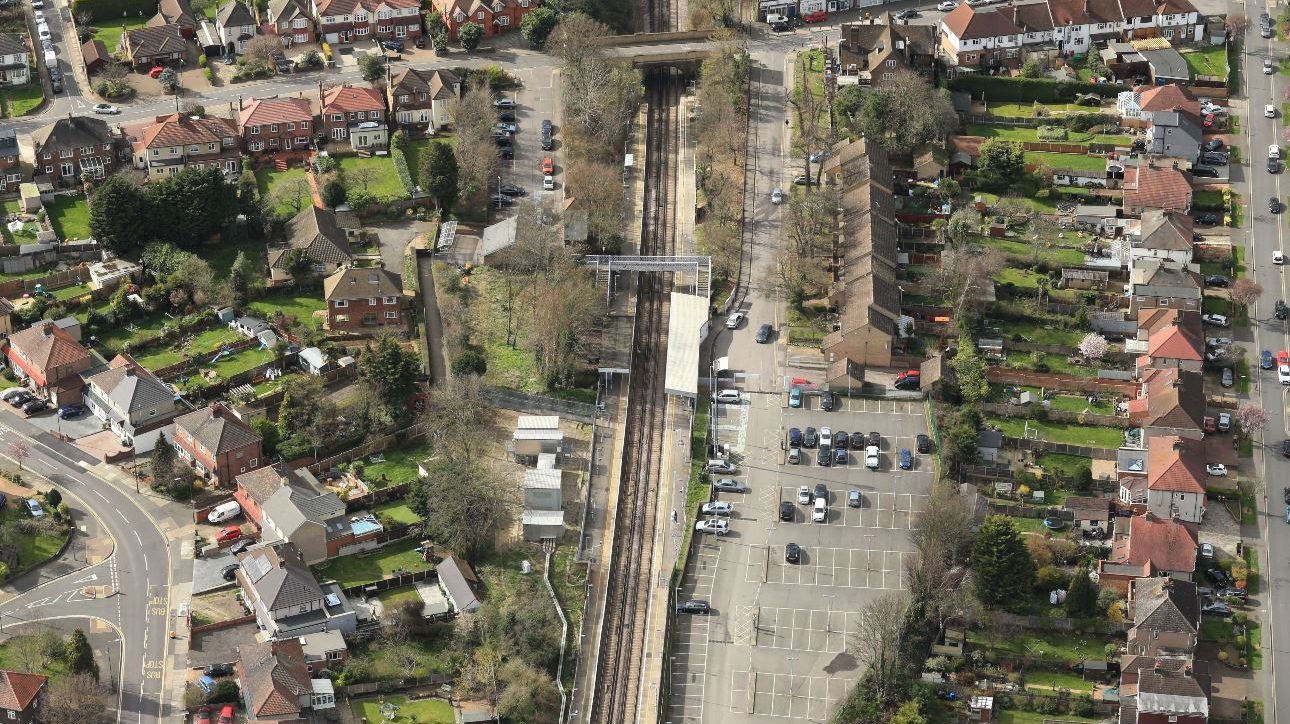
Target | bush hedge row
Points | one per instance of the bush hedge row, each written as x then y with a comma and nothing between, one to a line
1025,90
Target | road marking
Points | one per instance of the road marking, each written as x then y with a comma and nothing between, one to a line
88,579
136,534
101,496
835,567
786,695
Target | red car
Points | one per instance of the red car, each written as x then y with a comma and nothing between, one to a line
1209,120
548,166
1209,424
156,71
226,714
818,16
1283,357
229,534
204,715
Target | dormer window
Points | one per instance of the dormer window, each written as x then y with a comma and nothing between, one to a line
459,16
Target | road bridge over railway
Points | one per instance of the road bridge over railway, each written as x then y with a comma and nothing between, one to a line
660,49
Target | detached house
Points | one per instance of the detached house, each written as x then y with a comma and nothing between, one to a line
70,149
236,27
180,141
289,20
21,695
154,45
1143,102
421,100
175,12
348,21
218,444
286,599
49,360
129,398
14,59
364,300
1175,134
276,124
317,234
494,16
277,682
1174,484
355,115
874,52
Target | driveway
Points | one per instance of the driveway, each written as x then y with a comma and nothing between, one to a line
207,572
394,240
77,427
220,647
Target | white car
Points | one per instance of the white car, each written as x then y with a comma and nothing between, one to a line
548,183
1278,257
871,457
1283,374
718,507
40,17
716,526
106,109
1270,111
777,196
1218,320
826,437
794,456
727,397
820,512
804,495
34,509
1274,151
1217,469
736,319
1267,67
946,6
1208,106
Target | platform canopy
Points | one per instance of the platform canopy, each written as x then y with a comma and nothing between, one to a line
686,330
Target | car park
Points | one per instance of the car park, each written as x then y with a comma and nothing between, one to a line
792,553
715,526
1265,360
820,510
727,397
810,438
1218,320
924,444
718,507
906,460
763,334
795,397
729,485
871,457
734,320
1216,469
693,606
720,466
786,511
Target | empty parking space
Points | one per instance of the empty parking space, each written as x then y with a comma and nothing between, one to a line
835,567
786,695
688,664
805,629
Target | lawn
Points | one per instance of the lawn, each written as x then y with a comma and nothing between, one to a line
1016,716
9,662
116,336
1207,199
201,347
33,551
400,466
110,32
1062,432
1041,331
22,100
71,291
414,150
1047,206
1105,405
1053,362
1210,61
1063,465
1026,110
425,711
1028,134
365,568
383,183
1076,161
398,511
1053,646
70,217
811,65
396,596
221,257
300,306
1024,250
1058,680
239,362
268,180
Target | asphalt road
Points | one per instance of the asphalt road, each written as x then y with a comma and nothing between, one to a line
139,570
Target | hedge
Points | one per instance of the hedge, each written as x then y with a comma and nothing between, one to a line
1025,90
401,167
103,11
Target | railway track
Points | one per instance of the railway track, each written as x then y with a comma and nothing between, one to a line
620,665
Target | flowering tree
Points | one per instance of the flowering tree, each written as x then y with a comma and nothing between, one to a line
1251,417
1093,346
1246,291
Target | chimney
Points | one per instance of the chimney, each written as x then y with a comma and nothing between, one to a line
129,371
1178,443
1087,7
216,412
47,328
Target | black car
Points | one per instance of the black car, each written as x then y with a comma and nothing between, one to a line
1274,166
1214,159
1214,144
219,670
1286,492
1207,219
1274,205
786,509
1282,311
763,334
1218,577
21,399
826,456
512,190
924,444
875,439
906,14
507,152
826,401
229,572
840,439
1217,280
506,116
1204,172
792,553
503,141
907,383
1285,450
395,45
810,438
695,606
780,28
821,491
1217,608
500,200
240,546
420,42
33,406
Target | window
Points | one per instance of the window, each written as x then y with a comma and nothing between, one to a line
46,156
342,303
504,20
337,117
273,128
107,147
360,18
291,126
210,147
359,115
374,115
404,97
304,125
361,31
1169,32
391,315
255,130
156,152
383,15
891,63
327,19
480,15
256,146
390,300
888,76
66,169
333,655
371,301
254,461
459,16
65,153
320,268
13,714
273,142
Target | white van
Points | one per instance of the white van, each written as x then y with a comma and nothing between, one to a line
820,512
774,19
224,511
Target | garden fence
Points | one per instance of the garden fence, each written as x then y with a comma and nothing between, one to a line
15,288
1098,625
367,590
1019,510
373,445
372,687
1038,412
537,404
1096,453
1051,380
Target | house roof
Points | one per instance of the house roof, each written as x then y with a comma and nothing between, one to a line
217,429
1153,98
1163,604
18,689
314,356
1177,694
1166,545
1032,18
967,23
280,577
12,44
350,99
990,439
316,232
233,15
1175,398
275,676
461,583
1167,63
46,345
1088,508
282,10
156,40
1165,230
131,387
94,51
1175,464
1175,342
1167,275
260,484
1160,188
178,129
72,132
347,7
362,283
439,83
267,111
1153,320
291,508
176,11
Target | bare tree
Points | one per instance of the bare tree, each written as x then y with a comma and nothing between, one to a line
1245,292
293,193
361,175
572,308
811,110
475,150
601,95
810,223
459,420
965,272
1236,23
28,653
75,699
878,641
944,526
261,48
598,187
19,451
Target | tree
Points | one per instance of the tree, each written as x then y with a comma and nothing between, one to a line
333,193
469,362
441,42
538,24
1081,599
1236,24
118,216
295,192
76,699
962,225
246,277
464,505
301,405
878,640
528,695
19,451
261,48
439,177
435,24
970,370
908,713
901,113
28,653
361,176
392,369
1005,572
1031,69
79,657
965,276
168,80
53,497
1251,417
962,436
196,202
469,35
944,526
597,184
372,67
601,95
458,416
475,151
1093,346
1245,292
1001,162
163,461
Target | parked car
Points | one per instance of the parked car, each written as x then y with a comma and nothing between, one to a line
794,456
13,392
840,439
924,444
777,196
230,533
721,466
240,546
21,399
1214,144
1209,424
1237,593
512,190
906,459
801,179
1218,577
1207,219
826,436
804,496
794,437
548,165
820,510
810,438
33,406
819,16
716,526
507,103
763,334
203,713
874,439
229,573
729,485
1208,122
1217,280
500,200
727,397
871,457
795,397
854,500
68,412
1265,360
907,383
1228,379
735,319
33,508
825,458
718,507
1204,172
786,511
507,153
840,456
1217,608
792,553
548,183
1214,158
907,14
1224,421
1216,469
1206,550
826,401
504,126
693,606
947,6
821,491
1218,320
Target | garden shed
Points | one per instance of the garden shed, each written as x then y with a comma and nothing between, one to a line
1084,279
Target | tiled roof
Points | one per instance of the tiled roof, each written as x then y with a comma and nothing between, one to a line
1175,694
280,576
347,7
46,345
217,429
94,51
1175,398
267,111
12,44
18,690
362,284
1166,230
1167,274
131,387
276,676
1160,188
1175,342
1166,98
315,231
291,508
1157,318
178,129
439,83
155,40
284,10
260,484
1088,508
1085,12
1032,18
1167,545
233,15
349,99
1175,464
1163,604
72,132
967,23
176,11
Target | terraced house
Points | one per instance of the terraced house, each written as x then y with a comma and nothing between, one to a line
347,21
177,141
269,125
10,161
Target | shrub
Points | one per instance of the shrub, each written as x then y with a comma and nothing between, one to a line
469,362
201,60
1052,578
1026,90
1240,642
209,73
310,61
225,692
1085,708
360,199
1051,133
326,164
401,165
1223,656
